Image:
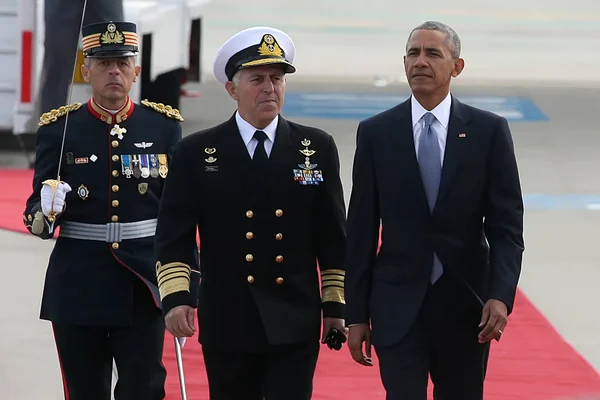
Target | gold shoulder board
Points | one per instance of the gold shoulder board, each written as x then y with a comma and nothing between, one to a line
163,109
53,115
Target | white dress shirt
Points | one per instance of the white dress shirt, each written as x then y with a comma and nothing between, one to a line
247,132
439,125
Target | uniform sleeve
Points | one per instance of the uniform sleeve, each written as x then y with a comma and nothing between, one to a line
175,239
48,142
331,236
363,232
504,218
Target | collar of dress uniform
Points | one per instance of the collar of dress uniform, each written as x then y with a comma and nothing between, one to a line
111,117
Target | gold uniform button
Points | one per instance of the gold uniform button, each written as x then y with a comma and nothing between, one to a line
279,212
115,203
279,281
249,214
115,188
279,236
249,257
115,143
250,279
114,218
115,245
279,259
115,158
249,235
115,173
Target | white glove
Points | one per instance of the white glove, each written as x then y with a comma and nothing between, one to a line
47,196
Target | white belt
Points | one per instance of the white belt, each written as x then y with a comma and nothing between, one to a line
110,232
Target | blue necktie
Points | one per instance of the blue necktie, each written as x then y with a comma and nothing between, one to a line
430,165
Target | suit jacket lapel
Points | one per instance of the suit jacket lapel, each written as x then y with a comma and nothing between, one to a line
455,150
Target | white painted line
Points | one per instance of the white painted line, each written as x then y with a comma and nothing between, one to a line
593,206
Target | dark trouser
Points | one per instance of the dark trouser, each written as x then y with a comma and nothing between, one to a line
279,373
443,343
86,356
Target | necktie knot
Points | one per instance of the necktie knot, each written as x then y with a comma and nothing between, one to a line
428,118
260,136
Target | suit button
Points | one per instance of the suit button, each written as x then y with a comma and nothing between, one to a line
279,281
279,212
279,236
279,259
249,257
115,158
115,203
115,245
115,173
250,279
115,143
114,218
115,188
249,235
249,214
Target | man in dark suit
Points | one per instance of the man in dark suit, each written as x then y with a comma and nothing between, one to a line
101,292
266,198
442,179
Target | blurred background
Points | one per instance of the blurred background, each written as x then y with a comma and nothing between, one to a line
534,62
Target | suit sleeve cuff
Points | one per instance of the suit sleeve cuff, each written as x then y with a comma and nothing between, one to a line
333,310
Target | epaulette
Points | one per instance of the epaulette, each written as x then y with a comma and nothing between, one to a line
161,108
53,115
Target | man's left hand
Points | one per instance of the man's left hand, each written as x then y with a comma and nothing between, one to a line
330,323
494,318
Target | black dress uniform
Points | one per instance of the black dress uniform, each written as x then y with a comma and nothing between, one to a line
101,291
262,228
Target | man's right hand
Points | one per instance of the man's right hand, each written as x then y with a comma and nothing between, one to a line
357,335
179,321
54,200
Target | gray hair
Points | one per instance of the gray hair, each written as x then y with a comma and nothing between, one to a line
451,36
236,78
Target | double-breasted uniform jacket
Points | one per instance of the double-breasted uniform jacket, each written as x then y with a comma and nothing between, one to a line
261,236
116,166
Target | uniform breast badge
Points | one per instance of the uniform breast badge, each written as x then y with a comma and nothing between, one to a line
211,160
135,166
162,162
126,165
143,188
153,166
118,131
83,192
307,175
145,165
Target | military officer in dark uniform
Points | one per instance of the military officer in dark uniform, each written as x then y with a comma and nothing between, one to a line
101,292
265,195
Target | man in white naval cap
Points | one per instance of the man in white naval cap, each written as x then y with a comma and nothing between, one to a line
265,196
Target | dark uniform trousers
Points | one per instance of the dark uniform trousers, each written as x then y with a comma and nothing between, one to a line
442,341
101,297
86,355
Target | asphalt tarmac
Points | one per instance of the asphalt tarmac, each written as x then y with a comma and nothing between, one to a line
512,49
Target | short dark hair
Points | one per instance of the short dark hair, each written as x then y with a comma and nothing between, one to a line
451,36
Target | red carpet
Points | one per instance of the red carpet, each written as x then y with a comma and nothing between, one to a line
532,362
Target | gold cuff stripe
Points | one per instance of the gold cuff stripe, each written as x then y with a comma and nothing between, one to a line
333,294
162,270
326,272
164,278
333,279
173,286
333,284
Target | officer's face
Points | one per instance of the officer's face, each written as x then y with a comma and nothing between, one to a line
429,64
111,78
259,93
